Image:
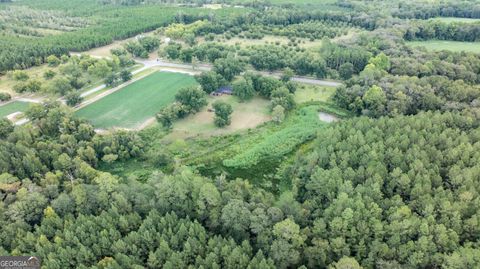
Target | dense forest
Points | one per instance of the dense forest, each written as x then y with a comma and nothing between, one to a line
103,27
387,192
394,183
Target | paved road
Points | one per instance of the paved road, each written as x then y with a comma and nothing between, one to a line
200,67
207,67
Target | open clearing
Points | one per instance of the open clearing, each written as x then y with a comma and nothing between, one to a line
212,6
245,115
7,82
104,51
307,93
454,19
134,104
12,107
447,45
269,39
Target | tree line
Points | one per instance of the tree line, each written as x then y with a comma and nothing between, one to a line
333,60
415,10
407,81
23,52
425,30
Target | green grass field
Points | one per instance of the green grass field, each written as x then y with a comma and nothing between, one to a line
136,103
13,107
447,45
308,93
454,19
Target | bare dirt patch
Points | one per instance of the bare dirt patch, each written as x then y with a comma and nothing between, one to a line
245,115
147,123
14,115
212,6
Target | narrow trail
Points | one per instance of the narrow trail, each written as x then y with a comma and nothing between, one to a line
29,100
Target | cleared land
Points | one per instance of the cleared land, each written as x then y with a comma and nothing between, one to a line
15,106
269,39
131,106
307,93
7,82
454,19
104,51
245,115
447,45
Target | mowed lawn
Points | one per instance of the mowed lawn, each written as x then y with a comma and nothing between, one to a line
134,104
447,45
308,93
13,107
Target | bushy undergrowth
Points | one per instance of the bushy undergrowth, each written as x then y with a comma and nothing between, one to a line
296,130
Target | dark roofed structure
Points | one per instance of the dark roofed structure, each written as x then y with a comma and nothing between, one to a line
223,90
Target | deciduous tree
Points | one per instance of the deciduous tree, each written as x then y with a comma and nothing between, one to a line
223,112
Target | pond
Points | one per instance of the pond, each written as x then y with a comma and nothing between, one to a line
327,117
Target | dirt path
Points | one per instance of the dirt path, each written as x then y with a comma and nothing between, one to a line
29,100
147,123
144,125
13,115
21,122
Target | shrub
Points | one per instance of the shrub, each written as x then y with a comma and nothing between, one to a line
4,96
30,86
296,130
73,98
20,75
49,74
53,61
